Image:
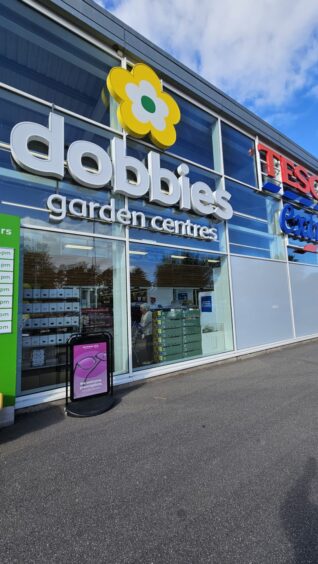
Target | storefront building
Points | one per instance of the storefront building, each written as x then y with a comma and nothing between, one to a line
190,237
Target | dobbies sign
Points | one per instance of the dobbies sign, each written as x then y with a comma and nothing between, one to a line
299,186
143,109
113,172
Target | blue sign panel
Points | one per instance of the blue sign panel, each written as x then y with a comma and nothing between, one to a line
206,304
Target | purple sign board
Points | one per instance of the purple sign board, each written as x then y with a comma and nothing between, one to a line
90,369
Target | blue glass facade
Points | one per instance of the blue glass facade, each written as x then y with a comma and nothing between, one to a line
84,274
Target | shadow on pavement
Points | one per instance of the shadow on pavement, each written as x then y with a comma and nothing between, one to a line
32,420
299,517
39,417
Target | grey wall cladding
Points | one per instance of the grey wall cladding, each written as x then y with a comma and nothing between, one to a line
261,302
304,282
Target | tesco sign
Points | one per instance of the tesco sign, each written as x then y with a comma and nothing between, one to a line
293,175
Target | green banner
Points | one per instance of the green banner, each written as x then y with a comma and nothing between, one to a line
9,299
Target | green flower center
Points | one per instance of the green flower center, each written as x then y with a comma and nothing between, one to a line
148,104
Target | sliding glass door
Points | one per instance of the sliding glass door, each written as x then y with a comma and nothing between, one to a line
71,284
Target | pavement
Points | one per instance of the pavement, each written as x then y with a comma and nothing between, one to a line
211,465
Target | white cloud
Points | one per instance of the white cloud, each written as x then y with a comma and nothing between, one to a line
262,52
313,91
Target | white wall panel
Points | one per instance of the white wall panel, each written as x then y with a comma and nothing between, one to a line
261,302
304,284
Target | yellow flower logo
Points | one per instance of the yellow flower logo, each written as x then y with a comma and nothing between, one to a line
143,107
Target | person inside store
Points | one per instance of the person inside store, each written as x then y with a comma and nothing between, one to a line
146,328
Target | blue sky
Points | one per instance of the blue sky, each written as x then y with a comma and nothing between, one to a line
263,53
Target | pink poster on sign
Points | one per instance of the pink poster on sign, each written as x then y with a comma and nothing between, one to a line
90,370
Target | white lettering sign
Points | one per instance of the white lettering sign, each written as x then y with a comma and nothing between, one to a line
59,207
120,172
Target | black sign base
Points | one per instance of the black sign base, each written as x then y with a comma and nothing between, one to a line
90,406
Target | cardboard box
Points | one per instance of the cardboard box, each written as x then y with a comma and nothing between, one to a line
66,337
192,338
44,340
167,358
27,293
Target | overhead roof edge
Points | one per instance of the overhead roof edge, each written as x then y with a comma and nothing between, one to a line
101,24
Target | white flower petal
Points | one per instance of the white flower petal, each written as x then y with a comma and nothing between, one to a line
158,121
139,112
132,91
156,118
162,107
146,89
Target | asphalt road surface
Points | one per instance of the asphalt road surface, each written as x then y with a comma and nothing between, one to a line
214,465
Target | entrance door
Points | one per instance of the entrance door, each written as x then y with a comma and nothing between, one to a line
71,284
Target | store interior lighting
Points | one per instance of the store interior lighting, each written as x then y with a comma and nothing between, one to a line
81,247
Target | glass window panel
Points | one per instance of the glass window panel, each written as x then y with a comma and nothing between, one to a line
151,210
178,240
250,202
297,253
14,109
238,155
302,250
252,237
102,197
26,195
197,137
71,284
76,130
261,302
300,254
53,63
23,194
180,305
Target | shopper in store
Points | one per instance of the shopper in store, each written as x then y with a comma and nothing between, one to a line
146,327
